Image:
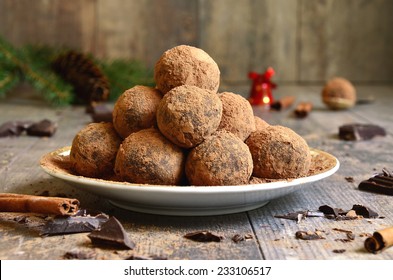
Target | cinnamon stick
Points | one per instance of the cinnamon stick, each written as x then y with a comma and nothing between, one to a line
283,103
380,240
303,109
10,202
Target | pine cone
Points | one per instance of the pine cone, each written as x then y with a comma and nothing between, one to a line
89,82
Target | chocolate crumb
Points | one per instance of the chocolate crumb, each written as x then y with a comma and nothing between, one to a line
338,251
342,230
350,179
22,219
309,235
248,236
79,255
350,236
237,238
203,236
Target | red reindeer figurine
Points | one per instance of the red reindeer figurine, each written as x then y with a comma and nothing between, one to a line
261,90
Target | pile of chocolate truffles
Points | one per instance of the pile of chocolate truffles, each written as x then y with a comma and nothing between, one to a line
183,132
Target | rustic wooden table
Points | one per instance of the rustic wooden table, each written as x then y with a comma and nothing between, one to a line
155,235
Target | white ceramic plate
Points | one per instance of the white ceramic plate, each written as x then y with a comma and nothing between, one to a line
188,200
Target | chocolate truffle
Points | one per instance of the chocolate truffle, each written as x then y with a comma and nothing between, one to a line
147,157
279,153
136,109
222,159
339,93
237,115
186,65
260,124
187,115
94,149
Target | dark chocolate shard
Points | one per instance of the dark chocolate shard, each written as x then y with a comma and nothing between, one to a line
309,235
44,128
328,210
380,183
356,131
295,216
364,211
111,234
83,221
203,236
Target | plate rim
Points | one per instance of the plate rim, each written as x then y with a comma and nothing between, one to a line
184,200
176,189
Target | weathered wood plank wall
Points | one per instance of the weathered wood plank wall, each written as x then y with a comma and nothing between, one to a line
304,40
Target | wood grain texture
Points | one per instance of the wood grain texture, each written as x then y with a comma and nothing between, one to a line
304,40
251,35
272,238
346,38
56,23
143,30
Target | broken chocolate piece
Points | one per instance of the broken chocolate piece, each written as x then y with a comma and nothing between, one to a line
364,211
309,235
101,113
328,210
82,221
380,183
112,234
356,131
44,128
203,236
14,128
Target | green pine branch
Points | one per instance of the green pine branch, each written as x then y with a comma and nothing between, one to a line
34,64
54,90
8,80
124,74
